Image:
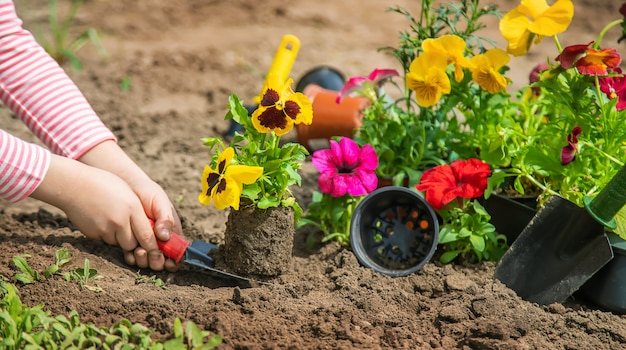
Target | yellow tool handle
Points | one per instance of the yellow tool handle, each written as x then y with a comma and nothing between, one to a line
283,60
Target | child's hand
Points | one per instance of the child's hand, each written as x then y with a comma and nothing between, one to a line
104,207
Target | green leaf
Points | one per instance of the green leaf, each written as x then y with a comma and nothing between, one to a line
449,256
267,202
446,235
62,257
478,242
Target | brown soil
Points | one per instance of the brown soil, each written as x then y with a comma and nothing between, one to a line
183,59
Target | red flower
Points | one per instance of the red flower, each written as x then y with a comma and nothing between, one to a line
461,179
615,87
535,76
589,61
568,153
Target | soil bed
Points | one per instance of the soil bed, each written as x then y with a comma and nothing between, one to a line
183,59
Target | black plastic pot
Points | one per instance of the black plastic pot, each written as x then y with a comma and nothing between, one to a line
394,231
607,287
510,215
327,77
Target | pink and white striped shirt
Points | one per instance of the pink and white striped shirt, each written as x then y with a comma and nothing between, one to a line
39,92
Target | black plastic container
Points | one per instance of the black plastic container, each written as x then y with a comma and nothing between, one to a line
327,77
510,215
394,231
607,287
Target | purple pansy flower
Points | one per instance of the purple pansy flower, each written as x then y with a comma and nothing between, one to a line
344,168
568,153
366,86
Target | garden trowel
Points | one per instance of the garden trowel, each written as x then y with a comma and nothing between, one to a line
563,245
196,254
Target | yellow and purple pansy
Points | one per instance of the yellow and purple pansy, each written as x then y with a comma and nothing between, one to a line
224,184
280,108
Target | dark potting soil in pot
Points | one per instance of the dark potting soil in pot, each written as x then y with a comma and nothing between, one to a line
257,242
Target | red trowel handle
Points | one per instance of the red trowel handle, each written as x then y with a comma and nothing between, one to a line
175,247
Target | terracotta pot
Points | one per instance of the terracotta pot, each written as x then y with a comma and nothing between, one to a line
329,118
387,181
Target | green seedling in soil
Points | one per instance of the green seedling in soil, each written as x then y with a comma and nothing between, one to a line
196,338
28,275
125,84
152,280
83,276
180,198
23,327
59,44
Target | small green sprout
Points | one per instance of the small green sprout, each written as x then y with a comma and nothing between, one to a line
152,280
83,276
58,43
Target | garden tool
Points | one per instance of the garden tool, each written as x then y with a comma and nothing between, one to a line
281,66
196,254
563,245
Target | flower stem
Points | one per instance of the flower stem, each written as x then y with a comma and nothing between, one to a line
540,185
608,156
558,44
596,45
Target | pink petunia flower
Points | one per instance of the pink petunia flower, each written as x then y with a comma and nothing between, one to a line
568,153
344,168
367,86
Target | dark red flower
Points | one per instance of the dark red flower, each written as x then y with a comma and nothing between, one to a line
461,179
568,153
589,61
535,76
615,87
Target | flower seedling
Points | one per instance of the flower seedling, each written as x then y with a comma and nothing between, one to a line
28,275
84,276
561,133
465,230
255,166
347,175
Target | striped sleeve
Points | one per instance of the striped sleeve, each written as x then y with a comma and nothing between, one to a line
38,91
22,168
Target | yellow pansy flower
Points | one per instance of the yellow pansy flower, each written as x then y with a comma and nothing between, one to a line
427,77
280,107
486,70
453,48
225,184
532,20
